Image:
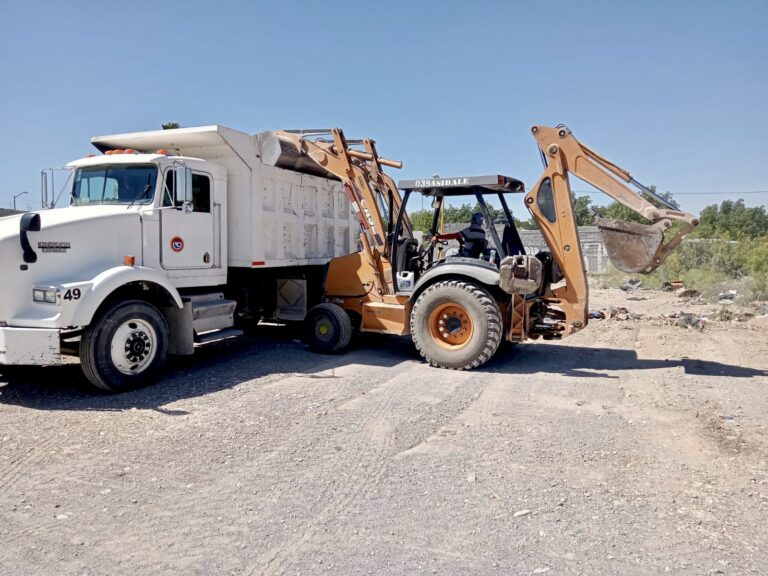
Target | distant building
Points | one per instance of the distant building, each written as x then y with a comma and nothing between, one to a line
8,212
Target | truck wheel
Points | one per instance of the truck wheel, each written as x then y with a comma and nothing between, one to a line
329,328
125,347
456,325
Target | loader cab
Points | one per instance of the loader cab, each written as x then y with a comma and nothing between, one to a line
412,259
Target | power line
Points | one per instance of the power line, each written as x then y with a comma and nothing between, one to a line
689,193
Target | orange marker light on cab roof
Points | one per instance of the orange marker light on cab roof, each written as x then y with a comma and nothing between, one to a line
129,260
162,151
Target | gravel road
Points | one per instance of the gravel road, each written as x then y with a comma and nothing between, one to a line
633,447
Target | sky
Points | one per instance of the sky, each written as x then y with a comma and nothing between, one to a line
674,91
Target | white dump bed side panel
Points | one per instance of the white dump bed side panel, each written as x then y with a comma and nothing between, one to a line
303,219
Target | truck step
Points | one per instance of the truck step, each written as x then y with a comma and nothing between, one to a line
218,335
212,312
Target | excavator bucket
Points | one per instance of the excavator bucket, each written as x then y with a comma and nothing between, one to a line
632,247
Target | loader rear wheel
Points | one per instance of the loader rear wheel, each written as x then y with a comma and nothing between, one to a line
125,347
329,328
456,324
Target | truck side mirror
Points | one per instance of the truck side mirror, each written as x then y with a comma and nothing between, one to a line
183,185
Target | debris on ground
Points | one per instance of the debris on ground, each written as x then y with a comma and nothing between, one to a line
621,313
672,286
631,285
688,293
726,297
596,315
688,320
638,298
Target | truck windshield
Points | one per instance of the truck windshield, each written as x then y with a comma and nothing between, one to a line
114,184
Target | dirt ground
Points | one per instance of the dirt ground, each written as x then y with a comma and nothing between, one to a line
633,447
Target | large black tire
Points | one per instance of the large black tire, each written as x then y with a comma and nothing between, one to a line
456,325
125,347
328,328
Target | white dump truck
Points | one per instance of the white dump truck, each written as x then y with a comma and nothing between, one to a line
169,237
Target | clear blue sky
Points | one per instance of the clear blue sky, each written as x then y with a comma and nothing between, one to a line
676,92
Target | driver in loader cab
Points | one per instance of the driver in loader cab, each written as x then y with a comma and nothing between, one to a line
472,238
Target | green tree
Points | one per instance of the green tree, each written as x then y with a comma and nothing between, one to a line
582,210
422,220
733,221
171,125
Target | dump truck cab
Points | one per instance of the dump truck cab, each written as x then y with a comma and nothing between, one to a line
179,199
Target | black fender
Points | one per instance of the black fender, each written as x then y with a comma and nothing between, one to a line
470,269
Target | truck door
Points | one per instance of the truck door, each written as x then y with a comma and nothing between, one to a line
187,231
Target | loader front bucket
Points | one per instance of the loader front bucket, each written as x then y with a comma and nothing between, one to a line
632,247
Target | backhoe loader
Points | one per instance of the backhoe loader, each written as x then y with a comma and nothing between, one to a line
458,308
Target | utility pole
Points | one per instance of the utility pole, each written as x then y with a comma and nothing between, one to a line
16,196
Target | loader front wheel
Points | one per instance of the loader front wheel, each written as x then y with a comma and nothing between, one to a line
328,328
456,324
125,347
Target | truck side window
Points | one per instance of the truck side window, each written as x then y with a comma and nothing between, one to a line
168,189
201,193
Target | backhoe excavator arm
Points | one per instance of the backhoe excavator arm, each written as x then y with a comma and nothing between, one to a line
631,247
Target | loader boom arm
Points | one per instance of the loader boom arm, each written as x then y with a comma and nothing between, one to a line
371,191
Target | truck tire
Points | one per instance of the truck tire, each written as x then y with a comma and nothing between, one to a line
329,328
456,325
125,347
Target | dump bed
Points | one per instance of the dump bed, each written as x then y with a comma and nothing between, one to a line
275,217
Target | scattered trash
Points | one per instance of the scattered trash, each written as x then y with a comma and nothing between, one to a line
672,286
521,513
631,285
638,298
687,293
596,315
726,297
622,313
688,320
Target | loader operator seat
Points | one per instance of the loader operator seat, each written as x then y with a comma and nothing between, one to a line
474,240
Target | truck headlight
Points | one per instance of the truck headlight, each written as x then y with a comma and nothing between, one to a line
48,295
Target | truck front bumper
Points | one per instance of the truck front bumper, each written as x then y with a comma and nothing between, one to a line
31,346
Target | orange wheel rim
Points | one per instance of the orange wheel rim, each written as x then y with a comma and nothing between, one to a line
450,326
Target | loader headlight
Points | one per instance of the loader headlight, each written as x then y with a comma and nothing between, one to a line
49,295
